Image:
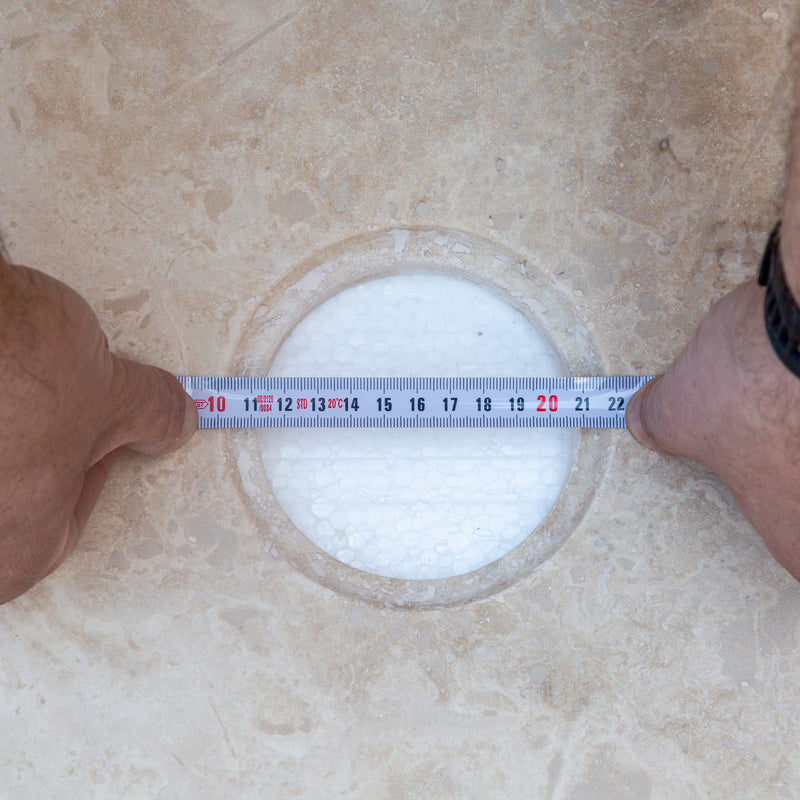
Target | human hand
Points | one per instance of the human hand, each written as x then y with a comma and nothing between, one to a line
729,403
67,408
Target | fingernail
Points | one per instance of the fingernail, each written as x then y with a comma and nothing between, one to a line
633,417
189,420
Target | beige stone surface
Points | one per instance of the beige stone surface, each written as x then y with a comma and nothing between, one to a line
181,163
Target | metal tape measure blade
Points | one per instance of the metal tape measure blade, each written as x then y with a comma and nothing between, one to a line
264,402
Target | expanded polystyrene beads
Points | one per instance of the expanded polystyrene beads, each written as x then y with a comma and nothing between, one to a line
416,504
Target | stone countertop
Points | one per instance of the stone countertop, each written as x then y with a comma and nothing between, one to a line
179,164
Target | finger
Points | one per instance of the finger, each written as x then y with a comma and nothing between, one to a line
149,410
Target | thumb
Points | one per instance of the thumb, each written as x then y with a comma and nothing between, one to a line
150,412
645,417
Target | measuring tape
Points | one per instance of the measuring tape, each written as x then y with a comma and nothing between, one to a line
242,402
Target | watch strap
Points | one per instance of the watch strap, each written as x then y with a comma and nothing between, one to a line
781,314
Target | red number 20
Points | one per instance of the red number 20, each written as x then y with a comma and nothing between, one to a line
546,403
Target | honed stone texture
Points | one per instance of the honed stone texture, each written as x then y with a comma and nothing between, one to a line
181,164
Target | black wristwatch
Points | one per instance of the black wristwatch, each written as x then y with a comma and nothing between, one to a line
781,314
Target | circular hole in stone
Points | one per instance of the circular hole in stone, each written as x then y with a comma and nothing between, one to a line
489,274
416,504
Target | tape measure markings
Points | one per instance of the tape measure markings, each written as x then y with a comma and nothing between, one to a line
319,402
